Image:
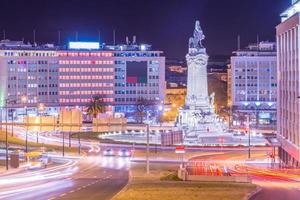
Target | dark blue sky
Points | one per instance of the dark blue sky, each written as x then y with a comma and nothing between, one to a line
167,24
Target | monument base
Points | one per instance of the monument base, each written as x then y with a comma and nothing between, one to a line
198,121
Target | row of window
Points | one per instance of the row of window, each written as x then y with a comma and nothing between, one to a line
32,53
81,100
90,69
86,77
133,99
46,93
255,69
255,85
136,92
86,62
256,99
126,99
136,84
79,85
86,92
85,54
24,62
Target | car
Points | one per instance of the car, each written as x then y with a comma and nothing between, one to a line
108,152
124,153
38,164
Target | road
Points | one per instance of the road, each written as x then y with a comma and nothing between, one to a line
90,178
277,194
107,174
277,184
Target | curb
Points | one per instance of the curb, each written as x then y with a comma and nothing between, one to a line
125,187
252,194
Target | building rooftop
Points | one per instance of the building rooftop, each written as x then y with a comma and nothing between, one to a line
264,48
77,45
292,10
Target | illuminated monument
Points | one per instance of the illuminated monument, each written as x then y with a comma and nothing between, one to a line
197,117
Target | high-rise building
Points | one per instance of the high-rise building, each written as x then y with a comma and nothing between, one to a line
288,113
60,76
254,86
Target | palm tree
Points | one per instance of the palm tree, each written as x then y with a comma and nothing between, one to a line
96,106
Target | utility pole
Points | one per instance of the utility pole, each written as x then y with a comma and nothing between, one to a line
79,144
58,39
114,36
147,156
6,136
249,136
4,35
63,147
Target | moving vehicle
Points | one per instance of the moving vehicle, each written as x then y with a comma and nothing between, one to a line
37,160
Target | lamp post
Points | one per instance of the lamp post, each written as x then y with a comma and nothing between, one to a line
6,136
6,132
298,139
249,136
41,108
147,154
24,101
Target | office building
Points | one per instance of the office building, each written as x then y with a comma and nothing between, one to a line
70,76
288,114
254,87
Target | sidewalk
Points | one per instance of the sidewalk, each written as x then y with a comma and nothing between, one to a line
10,171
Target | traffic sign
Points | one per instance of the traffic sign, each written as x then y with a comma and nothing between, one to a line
180,149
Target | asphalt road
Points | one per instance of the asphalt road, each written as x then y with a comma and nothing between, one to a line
92,178
277,194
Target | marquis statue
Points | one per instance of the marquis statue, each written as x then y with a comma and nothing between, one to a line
195,42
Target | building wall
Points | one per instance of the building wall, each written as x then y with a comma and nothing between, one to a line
71,78
254,89
29,73
288,115
229,87
83,75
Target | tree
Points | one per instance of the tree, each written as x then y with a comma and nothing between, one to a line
142,105
96,106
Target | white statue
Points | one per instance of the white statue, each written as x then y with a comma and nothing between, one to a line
196,41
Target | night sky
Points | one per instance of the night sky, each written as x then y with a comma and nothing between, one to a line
166,24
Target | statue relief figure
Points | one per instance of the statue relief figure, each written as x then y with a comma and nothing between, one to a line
196,40
212,99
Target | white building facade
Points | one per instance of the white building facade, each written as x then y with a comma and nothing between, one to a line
288,110
66,77
254,87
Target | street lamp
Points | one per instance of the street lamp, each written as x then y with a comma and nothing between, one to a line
7,101
249,136
298,139
147,155
24,101
6,136
41,108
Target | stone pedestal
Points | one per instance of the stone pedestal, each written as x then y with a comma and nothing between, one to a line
197,117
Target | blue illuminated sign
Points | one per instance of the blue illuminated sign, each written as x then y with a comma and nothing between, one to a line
84,45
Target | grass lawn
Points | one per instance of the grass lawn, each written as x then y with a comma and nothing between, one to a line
33,145
185,191
155,187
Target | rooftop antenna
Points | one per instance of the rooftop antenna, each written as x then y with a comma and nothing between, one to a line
114,36
99,36
34,42
76,35
239,42
58,39
4,36
134,40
